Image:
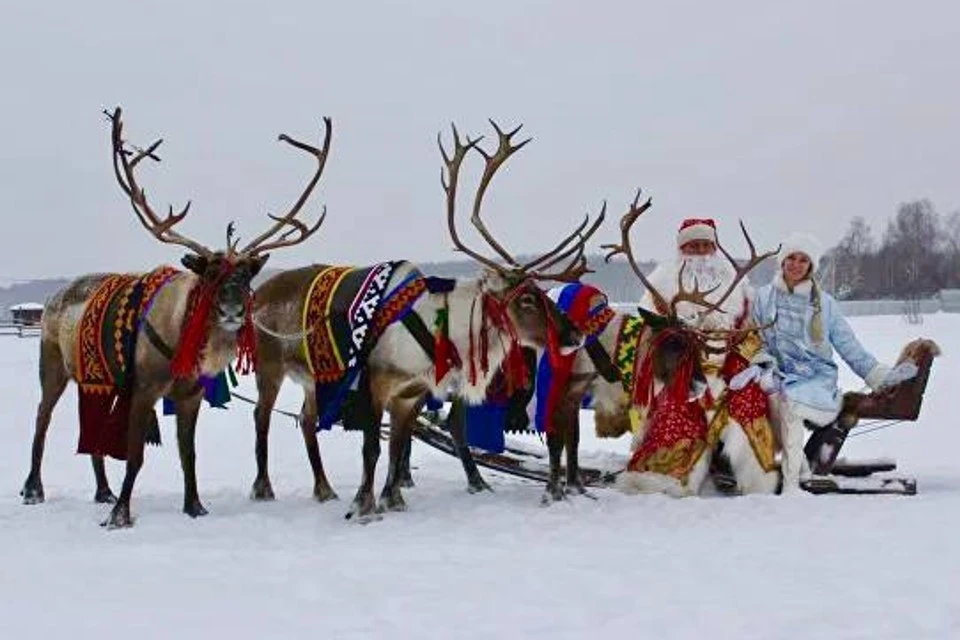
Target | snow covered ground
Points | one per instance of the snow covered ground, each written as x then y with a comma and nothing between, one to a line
472,566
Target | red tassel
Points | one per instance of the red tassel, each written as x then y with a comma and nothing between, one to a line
643,379
193,336
516,368
445,354
247,342
679,387
472,355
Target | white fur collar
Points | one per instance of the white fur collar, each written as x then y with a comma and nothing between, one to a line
802,289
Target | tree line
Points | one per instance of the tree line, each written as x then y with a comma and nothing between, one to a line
917,255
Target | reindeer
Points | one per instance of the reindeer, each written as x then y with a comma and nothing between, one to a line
502,309
193,325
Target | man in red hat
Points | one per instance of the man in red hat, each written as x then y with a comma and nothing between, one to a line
674,447
702,265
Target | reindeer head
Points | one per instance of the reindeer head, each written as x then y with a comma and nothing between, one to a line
229,278
225,275
512,284
676,341
537,320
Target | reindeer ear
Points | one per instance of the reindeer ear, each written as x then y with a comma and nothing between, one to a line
654,320
195,263
257,263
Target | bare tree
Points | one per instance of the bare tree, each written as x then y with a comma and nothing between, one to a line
912,249
847,260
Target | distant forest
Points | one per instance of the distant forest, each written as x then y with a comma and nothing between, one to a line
917,255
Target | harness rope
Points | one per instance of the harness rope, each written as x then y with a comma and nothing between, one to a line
873,425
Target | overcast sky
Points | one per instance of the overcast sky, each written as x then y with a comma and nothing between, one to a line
790,117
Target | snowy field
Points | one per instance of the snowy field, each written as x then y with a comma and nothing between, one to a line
472,566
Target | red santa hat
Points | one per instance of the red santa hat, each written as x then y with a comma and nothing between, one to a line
697,229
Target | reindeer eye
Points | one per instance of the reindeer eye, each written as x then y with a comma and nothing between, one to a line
527,300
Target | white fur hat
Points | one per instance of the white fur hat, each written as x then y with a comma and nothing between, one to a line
696,229
802,243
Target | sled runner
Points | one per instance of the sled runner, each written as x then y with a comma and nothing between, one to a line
513,460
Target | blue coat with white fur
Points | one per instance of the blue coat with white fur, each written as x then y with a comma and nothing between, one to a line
807,371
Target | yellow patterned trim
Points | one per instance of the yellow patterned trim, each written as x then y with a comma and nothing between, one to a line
319,344
675,461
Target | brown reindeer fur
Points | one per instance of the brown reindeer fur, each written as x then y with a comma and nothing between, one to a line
612,425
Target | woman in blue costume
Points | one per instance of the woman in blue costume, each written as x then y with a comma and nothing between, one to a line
797,368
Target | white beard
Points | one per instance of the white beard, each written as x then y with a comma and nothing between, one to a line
705,272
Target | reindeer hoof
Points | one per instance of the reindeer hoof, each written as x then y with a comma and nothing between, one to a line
367,518
104,496
407,482
194,509
363,511
32,492
575,489
479,487
553,493
393,501
324,494
262,490
119,518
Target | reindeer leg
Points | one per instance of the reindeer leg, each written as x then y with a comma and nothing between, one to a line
140,405
308,426
53,381
455,424
188,408
363,505
571,426
406,477
103,495
403,410
554,489
268,385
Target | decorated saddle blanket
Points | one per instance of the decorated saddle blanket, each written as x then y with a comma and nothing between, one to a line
625,353
106,346
675,439
344,313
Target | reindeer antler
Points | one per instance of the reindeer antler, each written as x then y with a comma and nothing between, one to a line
449,182
298,231
494,161
537,267
696,296
626,222
124,165
752,263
